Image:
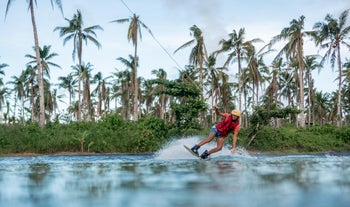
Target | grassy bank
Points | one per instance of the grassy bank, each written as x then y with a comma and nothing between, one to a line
114,135
109,135
313,139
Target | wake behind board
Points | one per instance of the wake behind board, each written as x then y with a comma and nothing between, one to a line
194,154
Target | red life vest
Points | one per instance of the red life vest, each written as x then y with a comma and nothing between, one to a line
227,125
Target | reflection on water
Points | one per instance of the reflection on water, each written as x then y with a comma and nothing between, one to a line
135,180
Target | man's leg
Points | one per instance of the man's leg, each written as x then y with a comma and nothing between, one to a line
219,145
203,142
207,140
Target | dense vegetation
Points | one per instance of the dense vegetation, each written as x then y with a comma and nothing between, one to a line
114,135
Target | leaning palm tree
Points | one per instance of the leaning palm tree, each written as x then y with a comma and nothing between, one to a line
75,31
331,34
37,54
134,33
293,49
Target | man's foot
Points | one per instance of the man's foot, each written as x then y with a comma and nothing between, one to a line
195,149
205,154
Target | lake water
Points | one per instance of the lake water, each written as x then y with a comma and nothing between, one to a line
172,177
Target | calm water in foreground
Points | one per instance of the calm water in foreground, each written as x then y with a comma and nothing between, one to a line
172,177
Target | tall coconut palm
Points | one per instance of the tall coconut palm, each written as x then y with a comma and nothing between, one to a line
45,62
331,34
75,31
310,65
236,46
134,33
198,54
37,54
346,89
213,81
294,49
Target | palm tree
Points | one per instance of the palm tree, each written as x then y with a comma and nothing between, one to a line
310,65
198,54
85,76
331,34
134,33
3,90
125,82
19,89
122,88
256,69
294,49
37,54
3,96
75,31
45,57
237,47
322,106
31,88
3,65
161,76
149,97
213,80
68,83
101,92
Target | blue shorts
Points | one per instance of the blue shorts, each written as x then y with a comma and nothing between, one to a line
215,130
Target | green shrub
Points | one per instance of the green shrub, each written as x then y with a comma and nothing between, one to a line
343,134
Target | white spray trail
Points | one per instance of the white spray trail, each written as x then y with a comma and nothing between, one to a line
175,150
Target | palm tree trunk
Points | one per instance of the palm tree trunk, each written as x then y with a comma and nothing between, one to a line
40,72
239,80
136,85
301,80
79,78
339,123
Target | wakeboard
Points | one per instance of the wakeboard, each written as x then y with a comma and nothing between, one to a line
194,154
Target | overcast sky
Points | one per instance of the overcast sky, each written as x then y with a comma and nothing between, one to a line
170,22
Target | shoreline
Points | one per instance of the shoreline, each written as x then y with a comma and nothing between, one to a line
250,152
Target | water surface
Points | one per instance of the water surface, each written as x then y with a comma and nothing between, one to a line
172,178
